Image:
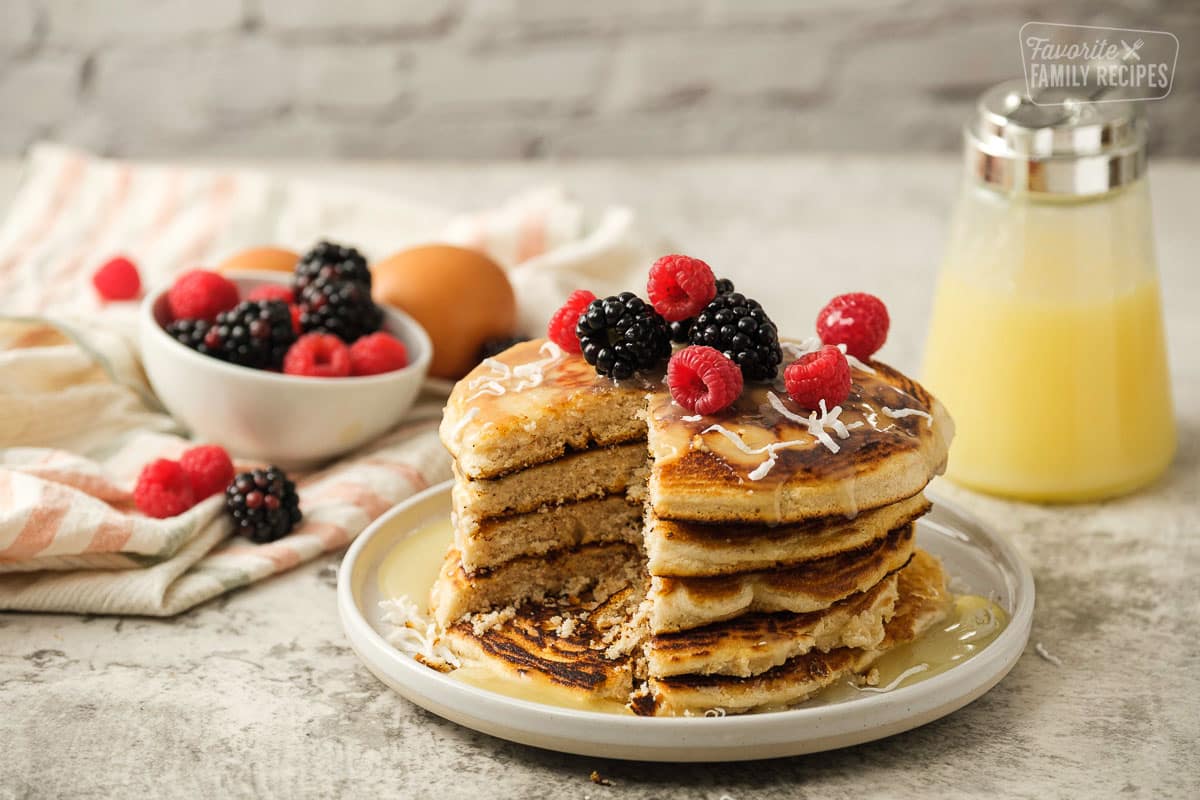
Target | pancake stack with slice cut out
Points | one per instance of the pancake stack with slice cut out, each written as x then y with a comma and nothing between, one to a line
769,552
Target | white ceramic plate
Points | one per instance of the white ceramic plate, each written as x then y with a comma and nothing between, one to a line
979,561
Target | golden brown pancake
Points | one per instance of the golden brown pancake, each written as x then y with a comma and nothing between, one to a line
682,603
534,403
497,540
456,593
576,476
923,602
692,549
755,463
560,642
754,643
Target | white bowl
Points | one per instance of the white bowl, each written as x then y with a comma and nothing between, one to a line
288,420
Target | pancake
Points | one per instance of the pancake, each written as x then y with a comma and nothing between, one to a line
499,539
576,476
683,603
755,643
534,403
456,593
561,643
923,602
757,462
688,549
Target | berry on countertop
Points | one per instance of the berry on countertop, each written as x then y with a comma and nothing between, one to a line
680,286
254,334
739,328
272,291
857,320
318,355
201,294
621,334
561,328
163,490
703,380
328,262
118,279
263,503
342,308
208,468
821,375
494,347
377,353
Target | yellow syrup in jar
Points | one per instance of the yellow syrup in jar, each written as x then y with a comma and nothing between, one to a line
1047,348
1052,400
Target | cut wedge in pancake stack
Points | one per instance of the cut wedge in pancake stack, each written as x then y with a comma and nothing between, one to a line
611,542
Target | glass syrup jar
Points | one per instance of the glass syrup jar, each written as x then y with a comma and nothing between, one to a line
1046,343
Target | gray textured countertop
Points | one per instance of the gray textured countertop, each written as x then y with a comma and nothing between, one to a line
258,693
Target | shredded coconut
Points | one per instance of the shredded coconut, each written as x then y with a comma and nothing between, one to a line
916,669
1041,650
900,413
692,418
527,376
816,425
414,634
771,450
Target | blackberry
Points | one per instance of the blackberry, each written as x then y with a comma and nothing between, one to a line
739,328
681,329
263,503
190,333
621,334
494,347
342,308
330,263
254,333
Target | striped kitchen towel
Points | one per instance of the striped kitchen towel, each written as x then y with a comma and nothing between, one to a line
78,421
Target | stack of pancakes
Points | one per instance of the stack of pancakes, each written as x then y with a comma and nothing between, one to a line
610,541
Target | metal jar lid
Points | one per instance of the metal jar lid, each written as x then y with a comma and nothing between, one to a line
1075,148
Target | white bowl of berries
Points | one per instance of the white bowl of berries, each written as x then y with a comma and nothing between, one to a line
288,369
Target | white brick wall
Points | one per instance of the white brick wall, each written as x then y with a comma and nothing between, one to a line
531,78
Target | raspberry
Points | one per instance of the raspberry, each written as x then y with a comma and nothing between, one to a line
208,468
118,279
163,490
272,291
703,380
376,353
318,355
561,329
821,375
680,286
201,294
857,320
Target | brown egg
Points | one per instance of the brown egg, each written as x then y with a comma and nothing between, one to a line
273,259
461,297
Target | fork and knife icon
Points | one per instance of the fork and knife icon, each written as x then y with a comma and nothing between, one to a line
1131,53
